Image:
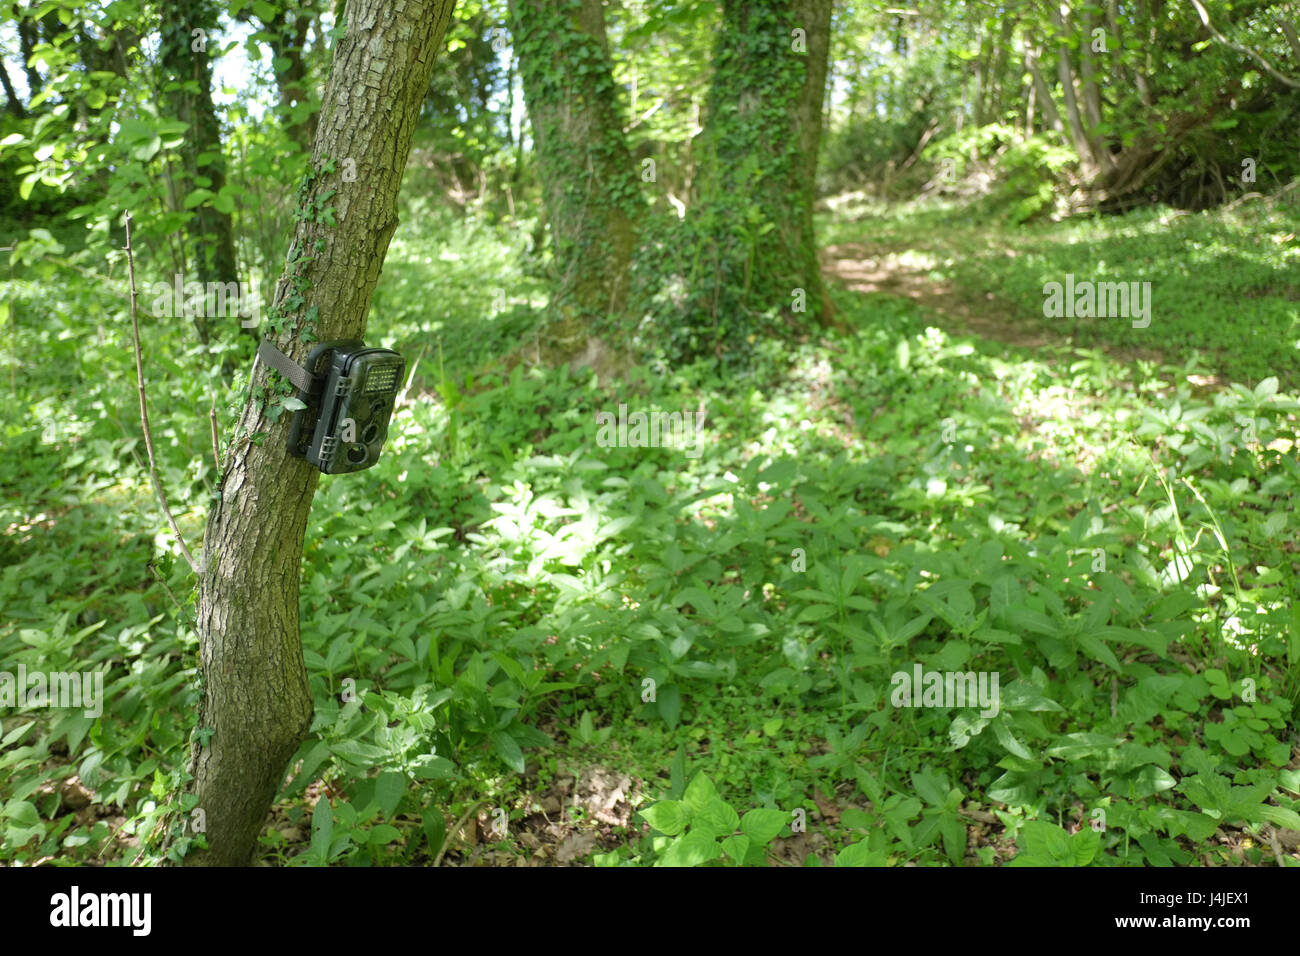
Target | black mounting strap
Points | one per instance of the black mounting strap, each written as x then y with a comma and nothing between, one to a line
303,380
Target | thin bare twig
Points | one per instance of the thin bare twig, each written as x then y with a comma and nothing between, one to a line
474,808
144,409
212,420
645,116
1276,847
163,582
410,379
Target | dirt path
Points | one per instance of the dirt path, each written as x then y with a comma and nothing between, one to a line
906,273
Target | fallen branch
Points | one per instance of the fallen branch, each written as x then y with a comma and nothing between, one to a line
1277,195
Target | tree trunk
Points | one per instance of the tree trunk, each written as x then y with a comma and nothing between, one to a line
1147,18
256,702
590,186
1092,93
28,37
1051,116
1089,164
982,72
211,236
757,172
1292,40
12,102
998,99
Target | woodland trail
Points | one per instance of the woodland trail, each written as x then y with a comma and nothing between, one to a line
903,272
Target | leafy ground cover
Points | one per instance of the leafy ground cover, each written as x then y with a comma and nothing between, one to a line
526,648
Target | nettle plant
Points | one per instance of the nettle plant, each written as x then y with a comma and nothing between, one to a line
702,828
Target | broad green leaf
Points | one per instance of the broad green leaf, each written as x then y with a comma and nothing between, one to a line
1076,746
859,854
322,826
508,750
668,816
763,825
1047,840
954,837
390,787
930,787
736,847
1002,731
384,833
1280,816
692,849
435,830
699,792
717,818
1084,845
669,702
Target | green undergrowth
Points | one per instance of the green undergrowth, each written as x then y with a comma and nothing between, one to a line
502,598
1118,556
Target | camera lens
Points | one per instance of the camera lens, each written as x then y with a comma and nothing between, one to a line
357,454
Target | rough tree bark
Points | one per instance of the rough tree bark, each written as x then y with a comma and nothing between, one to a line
256,701
210,245
590,185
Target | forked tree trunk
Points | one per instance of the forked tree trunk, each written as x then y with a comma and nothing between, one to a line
256,701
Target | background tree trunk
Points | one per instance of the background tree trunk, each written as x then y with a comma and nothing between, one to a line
12,102
1051,116
1089,163
590,185
757,174
292,82
287,33
256,701
211,236
28,37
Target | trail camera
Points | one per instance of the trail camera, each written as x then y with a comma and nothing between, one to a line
349,392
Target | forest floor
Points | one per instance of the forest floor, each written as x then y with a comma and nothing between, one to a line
576,639
908,268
